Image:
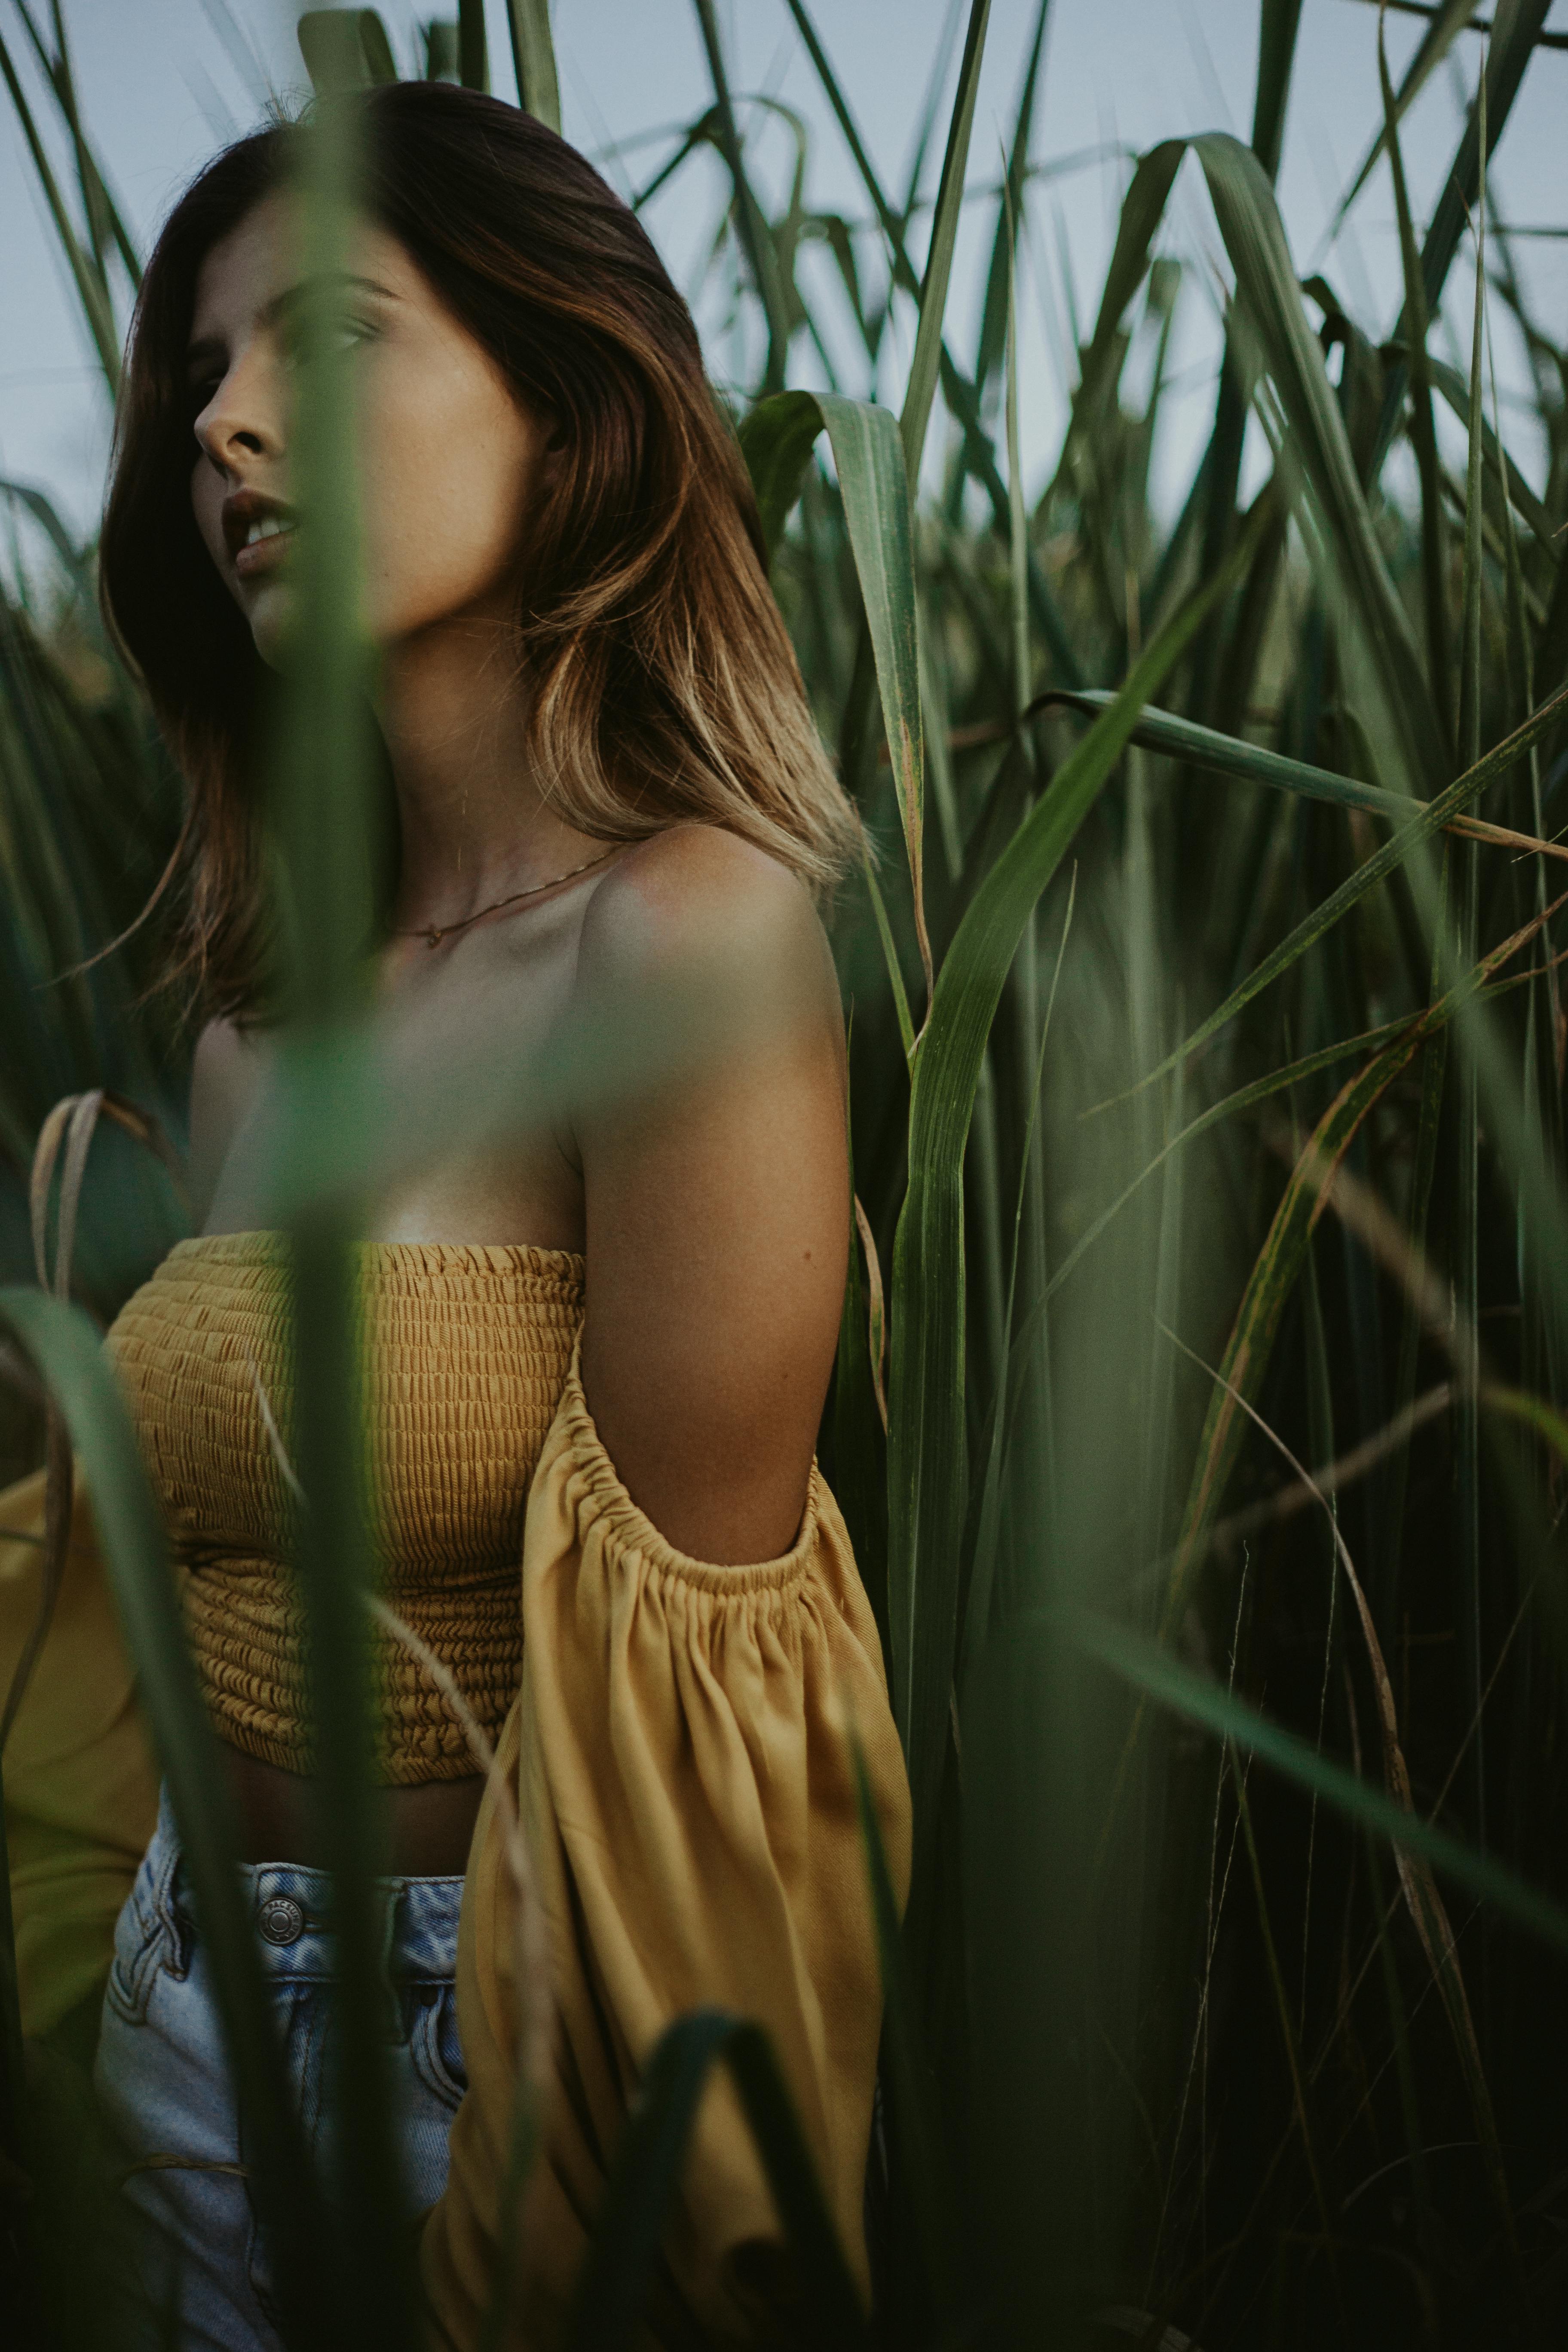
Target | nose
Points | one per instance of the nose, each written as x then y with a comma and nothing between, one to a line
241,421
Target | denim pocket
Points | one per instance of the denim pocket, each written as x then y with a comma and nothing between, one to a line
140,1935
435,2052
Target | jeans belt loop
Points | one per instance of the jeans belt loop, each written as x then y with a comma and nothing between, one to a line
390,1897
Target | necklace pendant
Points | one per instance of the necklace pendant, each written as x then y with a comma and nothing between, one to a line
433,939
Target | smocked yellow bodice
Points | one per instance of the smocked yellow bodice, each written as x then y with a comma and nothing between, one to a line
467,1350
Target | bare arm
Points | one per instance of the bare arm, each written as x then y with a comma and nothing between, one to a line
716,1216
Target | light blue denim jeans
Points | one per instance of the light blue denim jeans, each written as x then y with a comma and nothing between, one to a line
164,2085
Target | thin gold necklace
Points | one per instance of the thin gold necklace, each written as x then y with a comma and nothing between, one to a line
433,936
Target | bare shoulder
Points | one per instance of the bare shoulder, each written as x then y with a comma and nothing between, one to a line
697,895
225,1073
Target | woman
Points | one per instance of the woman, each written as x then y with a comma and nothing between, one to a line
602,1349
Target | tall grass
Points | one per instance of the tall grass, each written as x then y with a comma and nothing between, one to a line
1199,1414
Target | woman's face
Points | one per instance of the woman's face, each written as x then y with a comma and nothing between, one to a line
447,461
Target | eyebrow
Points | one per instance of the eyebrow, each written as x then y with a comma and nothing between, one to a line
292,298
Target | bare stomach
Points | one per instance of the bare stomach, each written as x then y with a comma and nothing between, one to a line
429,1828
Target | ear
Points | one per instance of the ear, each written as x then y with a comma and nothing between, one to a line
550,454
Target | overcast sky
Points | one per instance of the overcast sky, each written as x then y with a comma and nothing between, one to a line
164,82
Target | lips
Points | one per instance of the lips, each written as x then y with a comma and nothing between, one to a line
257,531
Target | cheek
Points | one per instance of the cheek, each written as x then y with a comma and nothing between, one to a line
444,489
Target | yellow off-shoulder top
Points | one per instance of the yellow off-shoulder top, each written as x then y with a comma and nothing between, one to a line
464,1354
679,1735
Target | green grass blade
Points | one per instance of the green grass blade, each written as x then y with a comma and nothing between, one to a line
1432,817
1018,519
777,438
323,819
344,48
1541,1354
105,221
1433,577
1447,20
1277,1985
1404,2067
1278,23
756,239
1514,34
928,1479
827,2289
1015,1360
902,716
533,58
1432,1024
646,2176
930,105
939,758
1033,1454
1471,681
642,2187
924,365
891,962
1149,1668
1292,1073
1447,382
96,311
979,456
14,2116
1468,1174
1552,639
63,1345
75,561
1228,755
923,2183
1422,1169
1009,214
1518,26
1270,312
868,456
859,1442
1269,1290
891,224
1278,1263
473,62
1142,211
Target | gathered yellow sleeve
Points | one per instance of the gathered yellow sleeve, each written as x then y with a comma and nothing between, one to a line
80,1778
682,1751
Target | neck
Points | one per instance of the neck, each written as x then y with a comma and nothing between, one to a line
473,821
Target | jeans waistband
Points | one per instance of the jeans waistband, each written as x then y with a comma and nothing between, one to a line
290,1907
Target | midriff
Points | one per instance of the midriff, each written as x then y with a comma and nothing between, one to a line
428,1827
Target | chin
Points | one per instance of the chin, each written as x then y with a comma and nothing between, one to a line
270,616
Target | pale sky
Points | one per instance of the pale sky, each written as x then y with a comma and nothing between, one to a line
164,82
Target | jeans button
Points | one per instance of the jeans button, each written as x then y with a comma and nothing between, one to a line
280,1919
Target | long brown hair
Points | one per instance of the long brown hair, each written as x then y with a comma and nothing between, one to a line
663,684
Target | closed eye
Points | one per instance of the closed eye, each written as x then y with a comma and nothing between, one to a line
205,365
345,333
